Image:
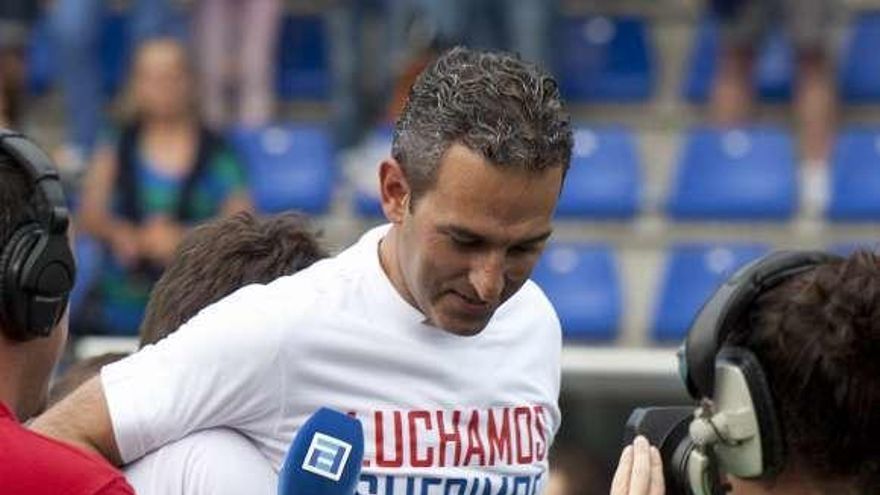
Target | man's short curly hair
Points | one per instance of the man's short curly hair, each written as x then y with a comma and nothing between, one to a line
507,110
817,337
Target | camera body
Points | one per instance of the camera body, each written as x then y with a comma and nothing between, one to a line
667,429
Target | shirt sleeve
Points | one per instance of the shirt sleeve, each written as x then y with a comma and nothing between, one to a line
222,368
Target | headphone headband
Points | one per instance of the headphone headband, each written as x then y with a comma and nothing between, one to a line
729,304
38,167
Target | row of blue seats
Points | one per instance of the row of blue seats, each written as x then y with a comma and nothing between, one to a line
584,284
612,59
302,65
747,174
601,59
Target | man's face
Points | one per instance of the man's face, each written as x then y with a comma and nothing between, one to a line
471,241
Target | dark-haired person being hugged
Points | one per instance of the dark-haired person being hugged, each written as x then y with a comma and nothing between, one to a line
36,275
427,330
807,342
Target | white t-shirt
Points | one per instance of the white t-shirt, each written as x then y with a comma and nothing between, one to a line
210,462
441,413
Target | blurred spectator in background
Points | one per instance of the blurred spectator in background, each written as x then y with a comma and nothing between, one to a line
235,43
75,26
16,17
808,24
163,173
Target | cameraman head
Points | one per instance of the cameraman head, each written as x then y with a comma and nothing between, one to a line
26,363
817,337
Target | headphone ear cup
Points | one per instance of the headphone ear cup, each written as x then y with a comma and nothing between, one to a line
13,305
37,277
769,428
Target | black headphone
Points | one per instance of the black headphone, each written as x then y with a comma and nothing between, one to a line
37,268
737,417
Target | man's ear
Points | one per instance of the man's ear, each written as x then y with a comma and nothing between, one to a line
394,190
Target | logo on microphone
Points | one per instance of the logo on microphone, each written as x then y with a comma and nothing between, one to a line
326,456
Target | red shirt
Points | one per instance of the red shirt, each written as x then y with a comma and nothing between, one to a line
31,463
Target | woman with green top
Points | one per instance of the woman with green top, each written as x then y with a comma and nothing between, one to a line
163,173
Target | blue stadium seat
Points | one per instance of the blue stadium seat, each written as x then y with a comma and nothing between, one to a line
855,176
859,66
739,174
582,283
303,67
773,72
290,166
606,59
604,181
692,273
366,195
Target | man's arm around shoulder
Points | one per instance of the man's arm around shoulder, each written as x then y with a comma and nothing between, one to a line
83,419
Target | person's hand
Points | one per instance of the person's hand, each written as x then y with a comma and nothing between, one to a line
640,471
159,238
125,245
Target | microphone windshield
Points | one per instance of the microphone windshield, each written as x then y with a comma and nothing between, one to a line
325,457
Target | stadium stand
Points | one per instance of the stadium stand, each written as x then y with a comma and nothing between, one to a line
656,209
115,51
656,179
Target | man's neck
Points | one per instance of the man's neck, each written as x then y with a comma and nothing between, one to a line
11,379
390,263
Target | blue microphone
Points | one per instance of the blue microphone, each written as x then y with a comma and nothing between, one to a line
325,457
